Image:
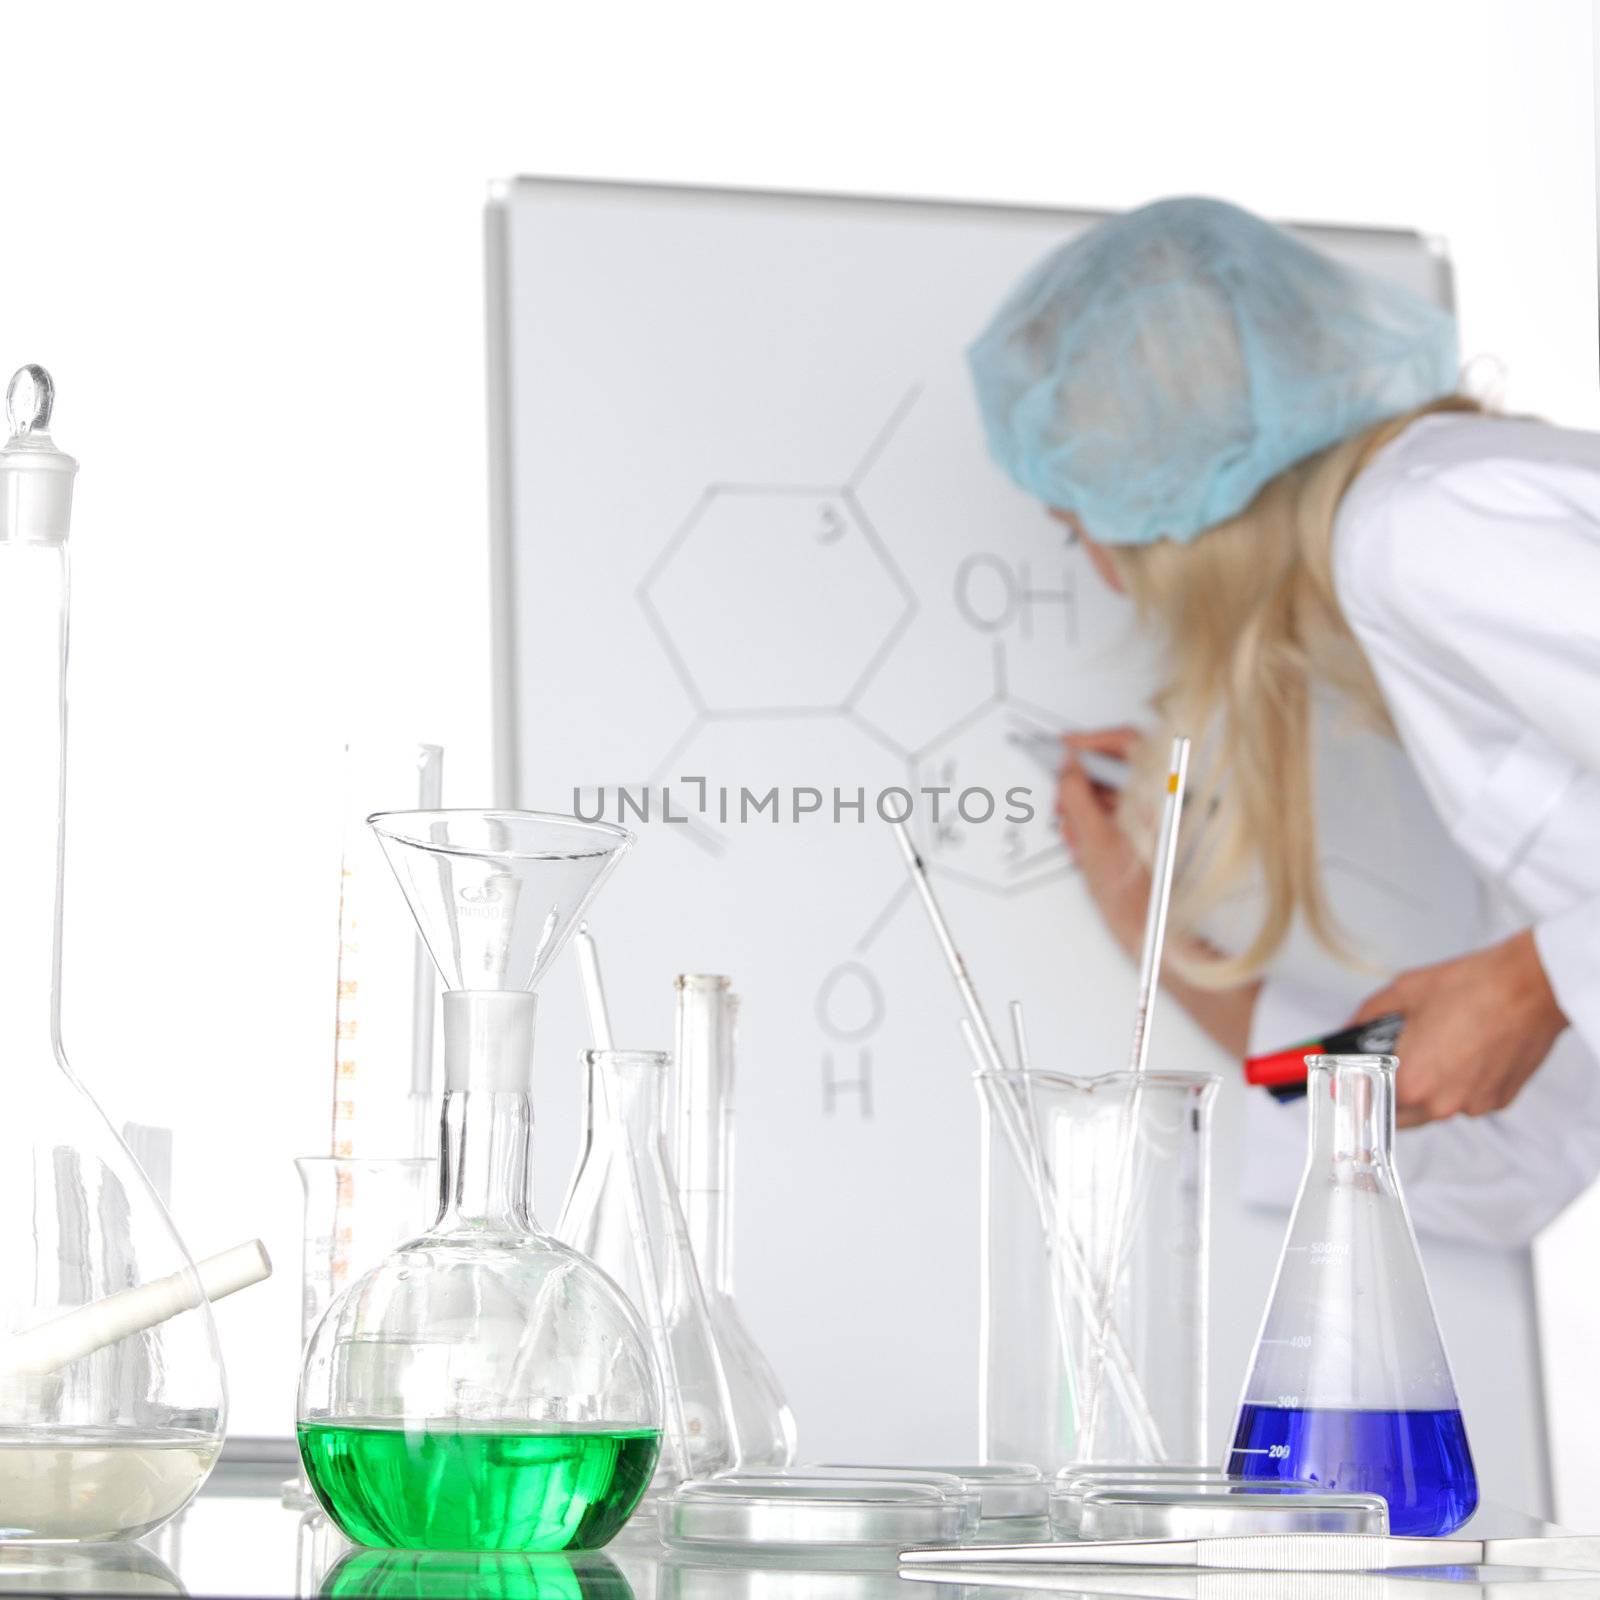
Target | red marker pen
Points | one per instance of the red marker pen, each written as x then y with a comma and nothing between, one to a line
1283,1072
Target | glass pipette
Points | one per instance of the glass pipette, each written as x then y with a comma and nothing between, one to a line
1023,1138
1155,936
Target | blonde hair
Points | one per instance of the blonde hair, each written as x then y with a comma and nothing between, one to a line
1252,624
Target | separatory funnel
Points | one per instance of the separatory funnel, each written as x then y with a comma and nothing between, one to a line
107,1426
623,1212
484,1387
707,1049
1350,1389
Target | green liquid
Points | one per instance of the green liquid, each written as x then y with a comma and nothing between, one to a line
480,1575
421,1488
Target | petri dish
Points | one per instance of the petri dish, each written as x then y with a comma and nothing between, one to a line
1073,1483
1222,1511
947,1483
784,1511
1134,1472
1005,1489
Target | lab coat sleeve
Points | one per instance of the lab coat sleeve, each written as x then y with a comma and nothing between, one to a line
1502,603
1569,950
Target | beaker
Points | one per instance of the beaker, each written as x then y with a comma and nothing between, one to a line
1350,1387
703,1079
623,1212
356,1212
484,1388
104,1443
1143,1139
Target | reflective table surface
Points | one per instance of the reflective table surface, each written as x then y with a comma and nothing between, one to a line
240,1538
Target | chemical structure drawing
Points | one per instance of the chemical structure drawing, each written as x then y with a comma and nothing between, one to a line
992,594
793,565
1006,843
792,557
850,1008
810,607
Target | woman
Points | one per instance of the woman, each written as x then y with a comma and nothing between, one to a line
1265,450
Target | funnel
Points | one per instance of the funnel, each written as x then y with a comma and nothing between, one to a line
496,893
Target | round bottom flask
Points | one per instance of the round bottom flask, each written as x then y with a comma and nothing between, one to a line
485,1388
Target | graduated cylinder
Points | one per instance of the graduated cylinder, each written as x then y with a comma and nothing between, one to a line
1095,1240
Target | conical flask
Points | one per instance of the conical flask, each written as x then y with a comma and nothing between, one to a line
702,1162
1350,1388
109,1441
623,1212
484,1387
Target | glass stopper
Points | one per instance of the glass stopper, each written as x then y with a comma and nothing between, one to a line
30,398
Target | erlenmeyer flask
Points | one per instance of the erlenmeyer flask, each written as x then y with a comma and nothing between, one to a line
484,1387
108,1443
1350,1388
703,1165
623,1212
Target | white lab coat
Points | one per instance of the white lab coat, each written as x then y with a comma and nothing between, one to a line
1467,561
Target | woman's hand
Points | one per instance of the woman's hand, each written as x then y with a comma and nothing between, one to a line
1476,1030
1117,880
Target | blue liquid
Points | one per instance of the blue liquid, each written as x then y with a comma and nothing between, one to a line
1417,1460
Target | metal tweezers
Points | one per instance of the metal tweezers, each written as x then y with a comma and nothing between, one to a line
1271,1552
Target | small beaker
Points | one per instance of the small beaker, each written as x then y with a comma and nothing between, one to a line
1082,1357
356,1212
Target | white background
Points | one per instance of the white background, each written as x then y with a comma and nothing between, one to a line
247,242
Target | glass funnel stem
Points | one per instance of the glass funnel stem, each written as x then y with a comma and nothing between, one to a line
486,1127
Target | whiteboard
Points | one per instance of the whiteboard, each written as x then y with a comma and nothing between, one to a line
747,540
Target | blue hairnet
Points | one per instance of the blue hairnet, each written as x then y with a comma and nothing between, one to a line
1152,374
